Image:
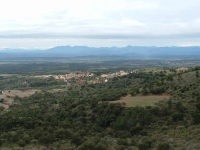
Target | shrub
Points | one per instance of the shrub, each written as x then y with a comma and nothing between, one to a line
101,146
88,145
1,108
21,143
1,100
157,90
122,142
123,134
178,117
143,146
198,106
163,146
196,118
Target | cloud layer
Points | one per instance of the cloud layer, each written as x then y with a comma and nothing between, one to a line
113,22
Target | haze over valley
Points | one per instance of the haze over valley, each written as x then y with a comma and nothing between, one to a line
99,75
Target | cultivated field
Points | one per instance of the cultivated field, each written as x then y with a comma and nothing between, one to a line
132,101
8,96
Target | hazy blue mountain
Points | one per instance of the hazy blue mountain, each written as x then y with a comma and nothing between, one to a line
84,51
129,50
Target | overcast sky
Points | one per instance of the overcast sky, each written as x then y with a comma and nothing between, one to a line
49,23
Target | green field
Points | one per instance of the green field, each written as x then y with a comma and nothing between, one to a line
143,101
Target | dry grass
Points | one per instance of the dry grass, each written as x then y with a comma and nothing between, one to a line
8,96
132,101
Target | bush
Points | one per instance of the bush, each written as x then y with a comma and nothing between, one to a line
196,118
178,117
163,146
124,134
101,146
21,143
120,147
143,146
135,130
198,106
88,145
157,90
76,139
154,110
1,100
144,91
1,108
180,107
122,142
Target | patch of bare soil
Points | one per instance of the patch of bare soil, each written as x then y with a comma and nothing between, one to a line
7,96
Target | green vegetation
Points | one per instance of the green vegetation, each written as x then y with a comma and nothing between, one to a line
40,66
27,82
81,116
143,101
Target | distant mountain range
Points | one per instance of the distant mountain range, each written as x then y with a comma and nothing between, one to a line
84,51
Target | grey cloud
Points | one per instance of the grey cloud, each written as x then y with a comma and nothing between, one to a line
168,20
96,36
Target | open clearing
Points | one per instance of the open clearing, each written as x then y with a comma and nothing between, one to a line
132,101
8,96
8,75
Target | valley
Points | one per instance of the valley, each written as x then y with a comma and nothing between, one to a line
125,108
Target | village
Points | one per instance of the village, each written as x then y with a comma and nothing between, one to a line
84,77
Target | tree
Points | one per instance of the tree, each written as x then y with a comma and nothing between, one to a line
144,91
88,145
180,107
133,91
163,146
1,108
198,106
157,90
178,117
196,118
197,74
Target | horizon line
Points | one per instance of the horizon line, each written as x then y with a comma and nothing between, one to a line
47,48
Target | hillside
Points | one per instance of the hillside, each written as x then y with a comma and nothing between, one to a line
81,116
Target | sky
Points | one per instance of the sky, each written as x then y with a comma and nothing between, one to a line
33,24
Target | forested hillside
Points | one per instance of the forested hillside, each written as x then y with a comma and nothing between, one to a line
82,117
